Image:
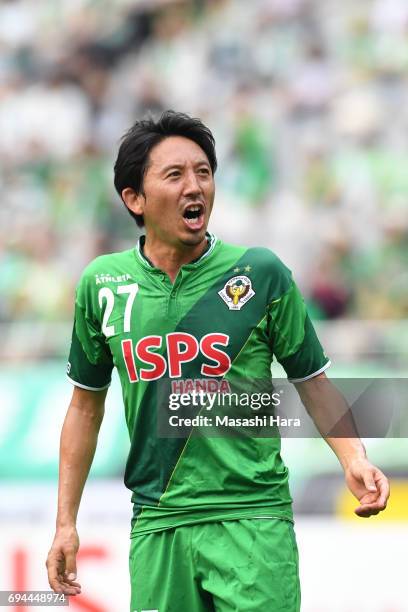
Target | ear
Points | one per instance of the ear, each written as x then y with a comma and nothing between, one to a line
134,201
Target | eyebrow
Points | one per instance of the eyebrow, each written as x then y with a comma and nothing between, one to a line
179,165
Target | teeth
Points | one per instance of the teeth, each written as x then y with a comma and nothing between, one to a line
193,208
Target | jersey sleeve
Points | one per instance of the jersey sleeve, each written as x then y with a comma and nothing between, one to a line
90,361
292,335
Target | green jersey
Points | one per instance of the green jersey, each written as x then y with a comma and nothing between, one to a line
224,318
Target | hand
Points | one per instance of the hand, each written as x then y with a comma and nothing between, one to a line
61,562
369,485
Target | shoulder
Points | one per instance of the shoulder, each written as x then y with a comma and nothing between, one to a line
108,266
270,270
103,271
268,260
261,255
264,266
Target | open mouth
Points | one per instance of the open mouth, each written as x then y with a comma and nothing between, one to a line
194,215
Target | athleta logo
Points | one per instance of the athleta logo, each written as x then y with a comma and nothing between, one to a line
181,348
108,278
236,292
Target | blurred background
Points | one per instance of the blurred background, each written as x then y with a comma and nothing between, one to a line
308,102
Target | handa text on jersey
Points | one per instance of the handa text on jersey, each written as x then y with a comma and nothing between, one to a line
191,386
181,348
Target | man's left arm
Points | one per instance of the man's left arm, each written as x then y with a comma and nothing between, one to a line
333,418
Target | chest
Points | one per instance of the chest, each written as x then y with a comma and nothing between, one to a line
157,330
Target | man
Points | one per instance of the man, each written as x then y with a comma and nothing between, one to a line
212,527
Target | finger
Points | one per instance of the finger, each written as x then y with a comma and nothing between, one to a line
369,509
375,505
64,580
55,585
378,500
70,564
369,482
53,577
366,512
369,498
384,488
69,589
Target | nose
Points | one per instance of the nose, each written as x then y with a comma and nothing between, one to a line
191,184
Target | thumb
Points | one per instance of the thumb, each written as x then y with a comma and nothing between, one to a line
369,481
70,565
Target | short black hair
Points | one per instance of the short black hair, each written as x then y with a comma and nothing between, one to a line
133,156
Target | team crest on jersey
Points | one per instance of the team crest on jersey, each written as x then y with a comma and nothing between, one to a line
236,292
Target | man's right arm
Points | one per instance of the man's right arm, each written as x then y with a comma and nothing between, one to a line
77,448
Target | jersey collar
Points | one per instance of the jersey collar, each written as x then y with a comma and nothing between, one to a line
145,261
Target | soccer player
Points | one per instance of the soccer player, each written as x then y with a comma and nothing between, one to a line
212,526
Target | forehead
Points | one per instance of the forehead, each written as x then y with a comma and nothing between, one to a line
176,150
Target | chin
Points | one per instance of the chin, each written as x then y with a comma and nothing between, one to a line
193,239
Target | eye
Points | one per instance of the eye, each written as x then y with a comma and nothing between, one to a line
173,174
204,171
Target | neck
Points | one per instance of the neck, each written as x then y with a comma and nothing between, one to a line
170,258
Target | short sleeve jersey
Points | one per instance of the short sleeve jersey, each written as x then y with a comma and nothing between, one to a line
226,316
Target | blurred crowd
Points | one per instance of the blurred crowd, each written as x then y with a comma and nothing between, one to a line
308,101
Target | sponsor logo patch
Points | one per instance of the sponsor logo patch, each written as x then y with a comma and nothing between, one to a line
236,292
